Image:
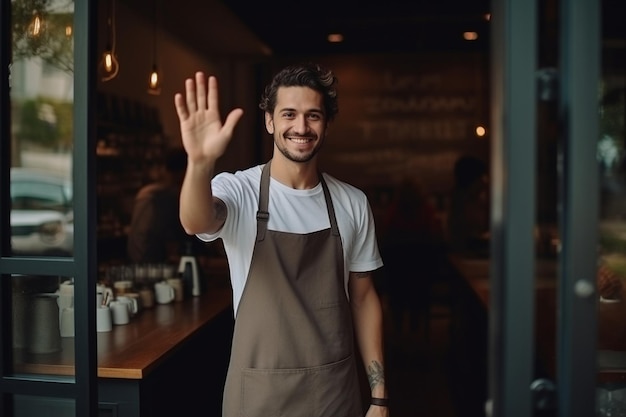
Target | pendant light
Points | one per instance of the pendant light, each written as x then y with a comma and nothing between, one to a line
37,24
154,81
109,66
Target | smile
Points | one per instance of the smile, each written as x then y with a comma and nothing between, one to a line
300,140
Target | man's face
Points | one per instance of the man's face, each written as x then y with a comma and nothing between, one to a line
298,123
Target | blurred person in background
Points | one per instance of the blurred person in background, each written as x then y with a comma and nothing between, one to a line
156,234
468,217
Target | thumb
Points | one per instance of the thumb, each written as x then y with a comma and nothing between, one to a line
231,121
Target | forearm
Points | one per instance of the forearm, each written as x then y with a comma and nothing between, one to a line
199,211
368,324
370,340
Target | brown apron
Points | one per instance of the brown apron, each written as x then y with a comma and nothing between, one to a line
293,349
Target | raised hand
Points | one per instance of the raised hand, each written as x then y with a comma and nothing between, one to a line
204,136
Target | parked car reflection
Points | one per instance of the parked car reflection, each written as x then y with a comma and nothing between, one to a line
42,213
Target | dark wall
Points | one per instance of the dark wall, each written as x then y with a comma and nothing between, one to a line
406,116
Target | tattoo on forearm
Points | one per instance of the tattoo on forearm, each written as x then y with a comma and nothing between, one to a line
375,374
220,209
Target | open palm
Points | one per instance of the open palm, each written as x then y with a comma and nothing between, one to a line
204,136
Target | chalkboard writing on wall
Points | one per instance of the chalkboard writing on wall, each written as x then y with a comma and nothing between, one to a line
406,116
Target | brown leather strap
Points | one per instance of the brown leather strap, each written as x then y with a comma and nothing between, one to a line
381,402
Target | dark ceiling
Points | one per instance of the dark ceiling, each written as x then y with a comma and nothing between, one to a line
296,28
289,27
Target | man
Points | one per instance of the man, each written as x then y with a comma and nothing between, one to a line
301,249
155,234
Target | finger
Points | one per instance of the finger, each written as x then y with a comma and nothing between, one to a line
213,94
201,92
231,121
181,108
190,95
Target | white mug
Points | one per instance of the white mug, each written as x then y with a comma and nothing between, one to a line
66,297
103,319
131,302
119,312
67,322
66,288
64,301
164,292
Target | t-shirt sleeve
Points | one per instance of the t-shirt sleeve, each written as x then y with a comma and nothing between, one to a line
365,254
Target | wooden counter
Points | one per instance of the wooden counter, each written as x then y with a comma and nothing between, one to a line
169,360
611,316
133,350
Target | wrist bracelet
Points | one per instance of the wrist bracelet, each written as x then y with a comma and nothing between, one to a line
381,402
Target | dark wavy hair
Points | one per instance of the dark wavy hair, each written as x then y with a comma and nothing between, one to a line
309,75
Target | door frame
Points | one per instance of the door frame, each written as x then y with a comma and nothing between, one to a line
83,388
513,165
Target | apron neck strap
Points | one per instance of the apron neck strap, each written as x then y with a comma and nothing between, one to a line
263,216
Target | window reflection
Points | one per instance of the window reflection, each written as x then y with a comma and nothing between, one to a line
42,326
611,272
41,213
41,124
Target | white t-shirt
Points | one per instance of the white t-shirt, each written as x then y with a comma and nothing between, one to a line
294,211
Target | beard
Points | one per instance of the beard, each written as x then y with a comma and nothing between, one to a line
300,157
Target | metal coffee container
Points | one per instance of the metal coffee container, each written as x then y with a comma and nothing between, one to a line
43,334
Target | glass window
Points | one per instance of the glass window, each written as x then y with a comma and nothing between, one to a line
611,271
41,124
43,326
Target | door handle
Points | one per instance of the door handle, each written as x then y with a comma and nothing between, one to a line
544,395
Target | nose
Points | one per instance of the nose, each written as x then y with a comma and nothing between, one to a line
300,125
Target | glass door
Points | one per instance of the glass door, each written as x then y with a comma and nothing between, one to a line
557,315
611,268
46,252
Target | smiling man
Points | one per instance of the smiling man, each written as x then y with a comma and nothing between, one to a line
301,247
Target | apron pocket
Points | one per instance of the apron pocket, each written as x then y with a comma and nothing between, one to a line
330,390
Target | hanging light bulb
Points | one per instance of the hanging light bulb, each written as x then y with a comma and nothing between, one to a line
109,66
36,25
35,28
154,82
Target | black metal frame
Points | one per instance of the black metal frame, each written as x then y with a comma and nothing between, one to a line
84,387
514,99
513,175
579,199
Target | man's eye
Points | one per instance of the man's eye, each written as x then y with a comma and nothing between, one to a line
315,116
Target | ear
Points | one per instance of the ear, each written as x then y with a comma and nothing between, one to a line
269,123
